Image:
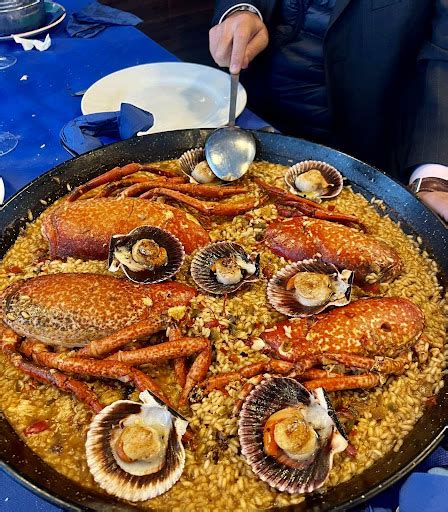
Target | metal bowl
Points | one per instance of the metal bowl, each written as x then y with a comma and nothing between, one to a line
17,16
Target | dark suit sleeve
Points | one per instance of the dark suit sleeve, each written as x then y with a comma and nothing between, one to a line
264,6
429,139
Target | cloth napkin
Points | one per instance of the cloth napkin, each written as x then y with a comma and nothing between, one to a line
89,132
94,18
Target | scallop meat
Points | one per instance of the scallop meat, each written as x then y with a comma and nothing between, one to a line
134,450
147,254
307,287
224,267
289,435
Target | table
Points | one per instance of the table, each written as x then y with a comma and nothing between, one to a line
36,107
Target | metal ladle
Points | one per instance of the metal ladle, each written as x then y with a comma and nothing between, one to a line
230,150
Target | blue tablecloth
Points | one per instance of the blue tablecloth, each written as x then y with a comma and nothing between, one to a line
36,108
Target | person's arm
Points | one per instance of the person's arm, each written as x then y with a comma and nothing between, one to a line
238,36
430,183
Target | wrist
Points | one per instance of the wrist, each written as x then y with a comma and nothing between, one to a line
241,8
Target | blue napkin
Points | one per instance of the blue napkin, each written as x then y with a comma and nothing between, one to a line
424,492
92,131
94,18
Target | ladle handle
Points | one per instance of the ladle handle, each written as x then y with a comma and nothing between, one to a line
234,80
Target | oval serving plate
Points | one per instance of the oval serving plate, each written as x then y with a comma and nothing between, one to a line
20,462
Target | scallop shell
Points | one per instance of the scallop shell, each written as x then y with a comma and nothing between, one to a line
188,161
107,470
165,239
283,300
205,278
330,174
267,398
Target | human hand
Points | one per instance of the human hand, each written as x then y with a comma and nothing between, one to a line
238,40
437,201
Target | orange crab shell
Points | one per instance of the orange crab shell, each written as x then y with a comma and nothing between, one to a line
72,309
83,229
369,327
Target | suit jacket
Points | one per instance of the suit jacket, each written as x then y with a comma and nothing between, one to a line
386,69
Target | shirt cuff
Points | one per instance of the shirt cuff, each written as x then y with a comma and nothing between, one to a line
235,8
429,171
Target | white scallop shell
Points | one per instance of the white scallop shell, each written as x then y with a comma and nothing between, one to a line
188,161
172,245
108,471
269,397
283,300
205,278
330,173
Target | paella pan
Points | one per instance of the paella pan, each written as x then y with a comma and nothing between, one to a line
388,197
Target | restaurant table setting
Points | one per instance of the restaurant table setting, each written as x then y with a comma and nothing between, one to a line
41,105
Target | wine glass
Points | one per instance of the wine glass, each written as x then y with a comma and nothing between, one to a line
7,61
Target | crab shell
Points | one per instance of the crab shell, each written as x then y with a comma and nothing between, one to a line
273,395
284,301
189,160
331,175
114,475
205,278
165,239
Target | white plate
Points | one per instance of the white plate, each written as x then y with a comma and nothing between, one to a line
179,95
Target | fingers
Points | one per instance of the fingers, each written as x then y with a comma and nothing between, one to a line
236,41
240,41
256,45
437,201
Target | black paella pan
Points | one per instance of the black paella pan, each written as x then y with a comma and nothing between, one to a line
20,462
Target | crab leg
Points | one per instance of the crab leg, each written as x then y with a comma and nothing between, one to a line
306,206
140,330
138,188
363,381
251,370
181,347
207,208
245,391
205,191
10,342
161,172
197,373
180,364
97,368
113,175
109,189
379,364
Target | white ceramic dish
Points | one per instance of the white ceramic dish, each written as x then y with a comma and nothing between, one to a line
179,94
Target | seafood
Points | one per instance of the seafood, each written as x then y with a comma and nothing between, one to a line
308,287
82,310
224,267
300,238
366,334
135,450
314,180
146,255
83,229
289,435
195,167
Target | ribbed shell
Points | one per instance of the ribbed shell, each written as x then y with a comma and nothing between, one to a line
330,174
165,239
205,278
110,476
283,300
267,398
188,161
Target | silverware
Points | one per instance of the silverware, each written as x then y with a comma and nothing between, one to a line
230,150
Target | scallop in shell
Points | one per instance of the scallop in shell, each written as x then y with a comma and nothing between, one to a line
289,435
134,450
194,165
314,180
147,254
223,267
307,287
